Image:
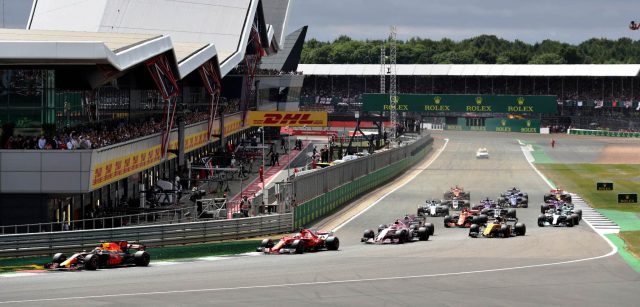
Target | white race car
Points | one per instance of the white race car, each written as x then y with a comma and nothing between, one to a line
482,153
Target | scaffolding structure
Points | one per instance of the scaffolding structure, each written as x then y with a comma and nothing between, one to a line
393,98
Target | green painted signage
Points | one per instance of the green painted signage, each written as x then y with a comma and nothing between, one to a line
462,103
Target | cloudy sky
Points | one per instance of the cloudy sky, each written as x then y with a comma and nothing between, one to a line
570,21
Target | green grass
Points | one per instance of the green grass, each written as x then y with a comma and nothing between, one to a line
632,240
157,253
582,179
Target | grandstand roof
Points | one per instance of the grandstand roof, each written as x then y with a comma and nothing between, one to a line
524,70
125,33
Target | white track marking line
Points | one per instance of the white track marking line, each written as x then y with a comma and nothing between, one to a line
614,249
612,252
446,141
331,282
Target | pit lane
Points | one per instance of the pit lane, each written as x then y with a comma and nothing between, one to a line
560,266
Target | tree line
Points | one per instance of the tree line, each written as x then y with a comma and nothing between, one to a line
484,49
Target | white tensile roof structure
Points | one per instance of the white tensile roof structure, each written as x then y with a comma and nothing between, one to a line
485,70
124,33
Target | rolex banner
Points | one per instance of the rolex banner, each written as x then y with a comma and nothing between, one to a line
462,103
500,125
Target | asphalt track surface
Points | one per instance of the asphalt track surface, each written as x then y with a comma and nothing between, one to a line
548,266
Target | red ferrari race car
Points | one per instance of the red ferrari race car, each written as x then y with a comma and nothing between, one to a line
465,218
557,194
402,230
305,240
457,193
105,255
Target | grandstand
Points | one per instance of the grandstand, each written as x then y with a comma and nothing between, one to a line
588,96
99,102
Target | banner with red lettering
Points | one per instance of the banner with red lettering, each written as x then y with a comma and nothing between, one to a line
283,119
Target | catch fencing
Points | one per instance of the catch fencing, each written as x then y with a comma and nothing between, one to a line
320,193
152,236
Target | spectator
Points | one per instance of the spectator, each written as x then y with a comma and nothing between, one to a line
42,142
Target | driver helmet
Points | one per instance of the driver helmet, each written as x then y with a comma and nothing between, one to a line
397,222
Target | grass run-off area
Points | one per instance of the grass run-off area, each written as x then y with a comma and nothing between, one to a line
582,179
157,253
632,239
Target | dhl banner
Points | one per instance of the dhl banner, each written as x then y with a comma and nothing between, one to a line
283,119
124,166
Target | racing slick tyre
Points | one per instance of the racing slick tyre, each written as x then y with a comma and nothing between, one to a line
474,230
423,234
480,219
369,234
430,227
485,211
91,262
59,258
447,220
298,246
333,243
265,244
420,211
401,236
142,258
544,208
520,229
504,231
511,212
569,222
576,219
547,197
578,212
541,220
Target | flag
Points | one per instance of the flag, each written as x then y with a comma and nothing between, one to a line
209,165
599,104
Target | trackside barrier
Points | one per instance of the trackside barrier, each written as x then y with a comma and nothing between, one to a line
327,202
34,244
621,134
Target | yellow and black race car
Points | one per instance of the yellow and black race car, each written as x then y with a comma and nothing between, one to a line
498,228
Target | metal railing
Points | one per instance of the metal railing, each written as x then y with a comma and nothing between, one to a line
152,236
314,184
156,217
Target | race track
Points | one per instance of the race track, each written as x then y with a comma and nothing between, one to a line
548,266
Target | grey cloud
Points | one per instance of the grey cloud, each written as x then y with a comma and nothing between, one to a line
567,20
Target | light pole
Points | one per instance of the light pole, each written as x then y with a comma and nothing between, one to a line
264,188
261,129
